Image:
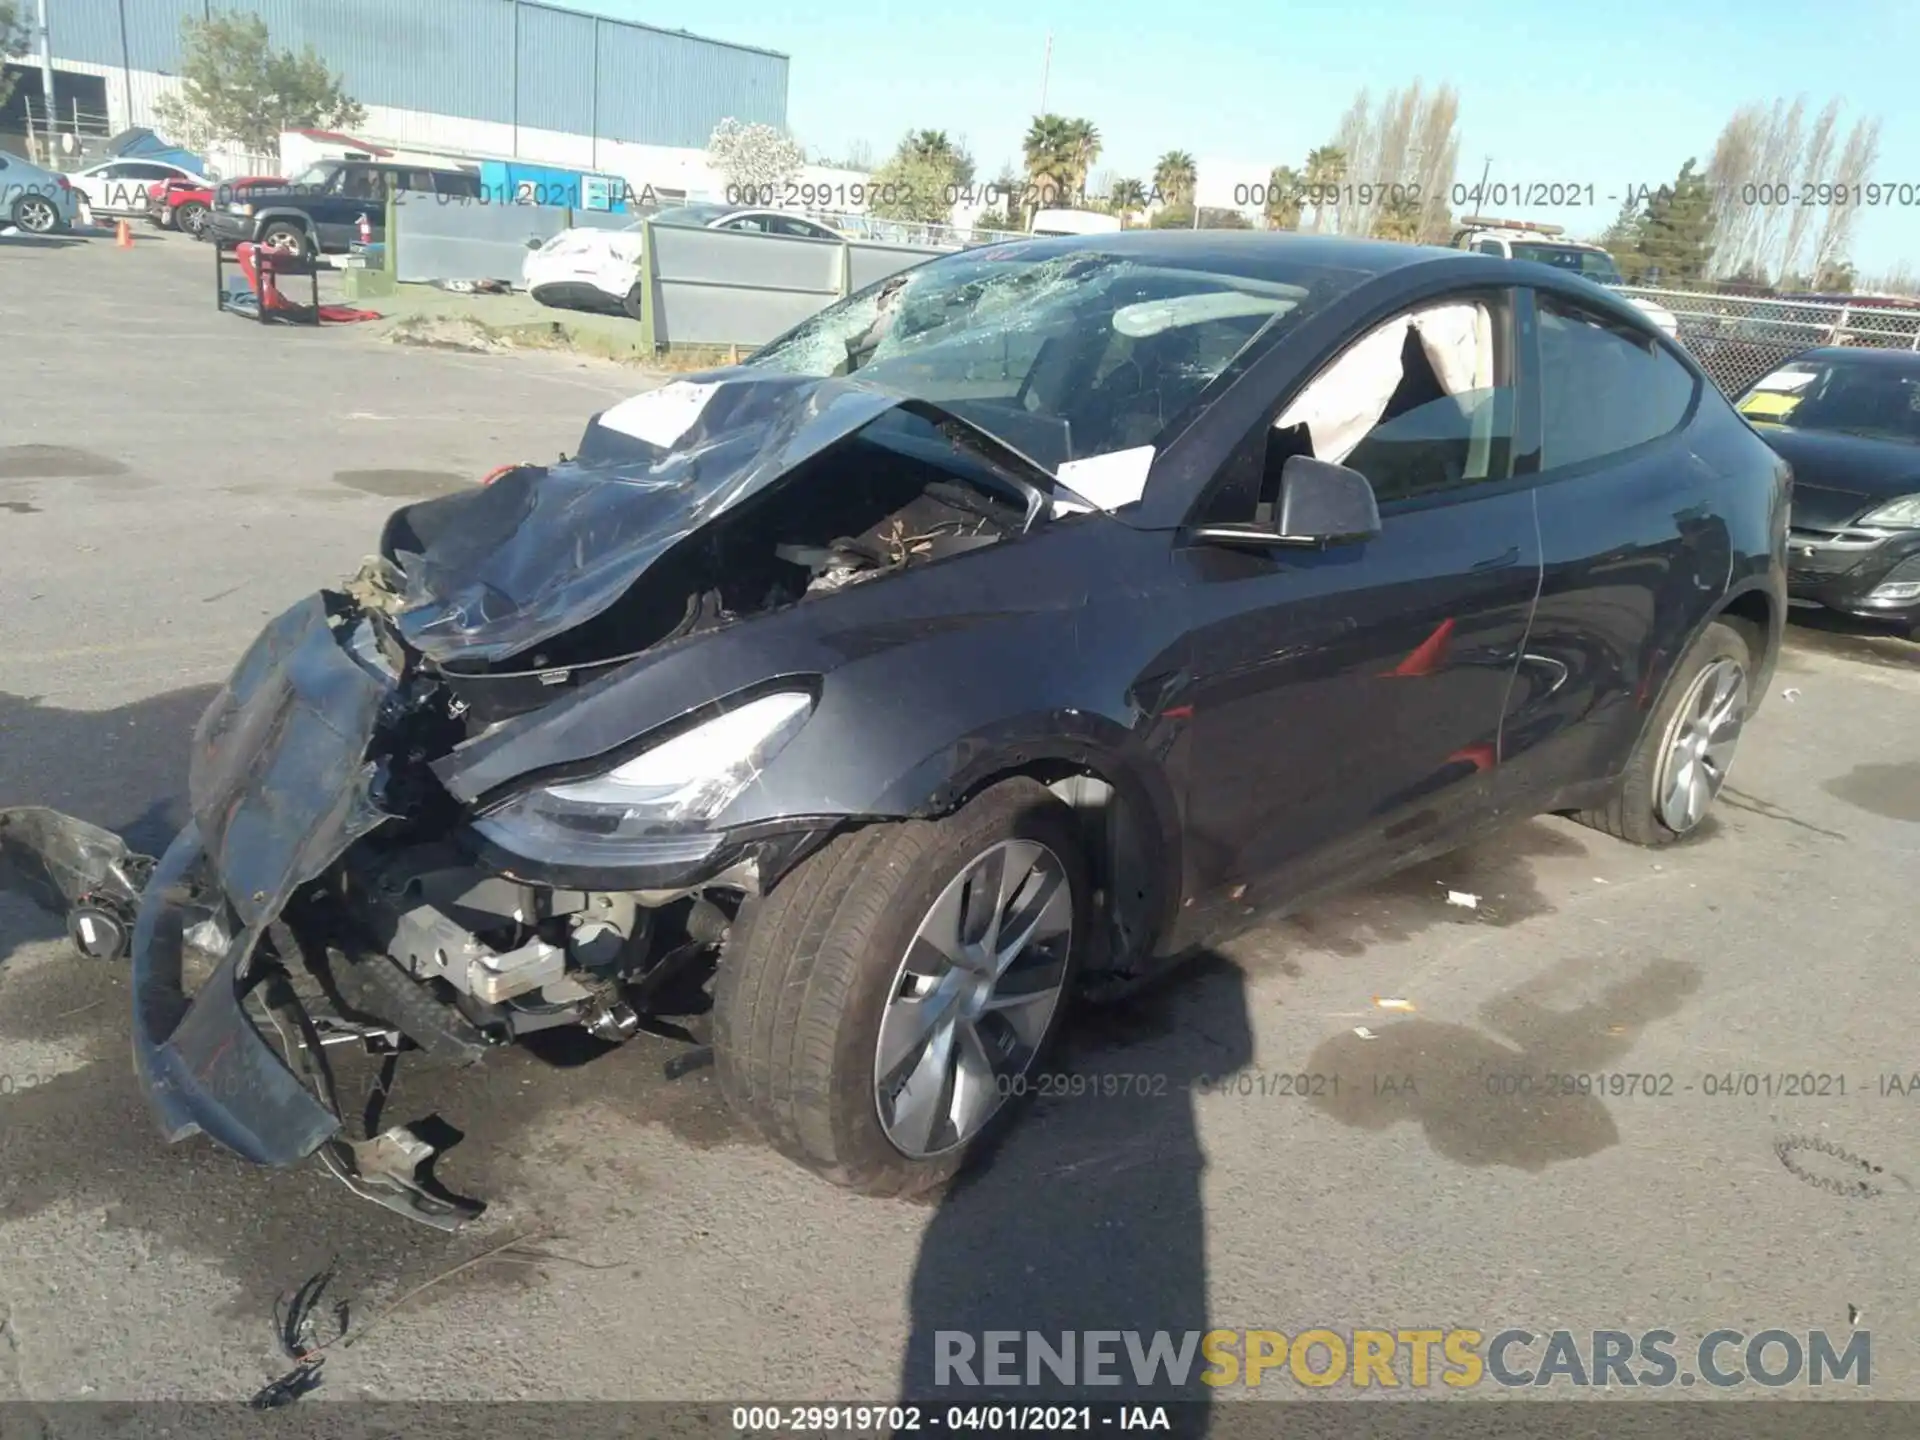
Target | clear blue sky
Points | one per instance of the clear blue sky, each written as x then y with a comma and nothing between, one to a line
1611,95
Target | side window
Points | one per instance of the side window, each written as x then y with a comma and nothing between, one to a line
1490,247
461,183
1604,387
359,183
757,224
148,172
784,226
1421,404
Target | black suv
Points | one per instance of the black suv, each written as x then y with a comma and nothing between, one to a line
320,208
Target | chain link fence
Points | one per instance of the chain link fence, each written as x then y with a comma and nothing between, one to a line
1739,338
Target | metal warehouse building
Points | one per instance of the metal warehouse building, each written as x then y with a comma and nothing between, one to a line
481,77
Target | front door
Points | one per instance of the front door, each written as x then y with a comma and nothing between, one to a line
1347,702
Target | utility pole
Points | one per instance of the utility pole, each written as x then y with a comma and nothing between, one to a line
46,71
1046,69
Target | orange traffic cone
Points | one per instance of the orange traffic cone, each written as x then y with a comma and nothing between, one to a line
123,236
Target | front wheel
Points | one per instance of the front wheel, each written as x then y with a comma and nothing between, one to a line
1685,752
889,1003
633,303
191,217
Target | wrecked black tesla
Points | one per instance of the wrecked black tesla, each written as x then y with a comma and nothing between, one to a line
988,640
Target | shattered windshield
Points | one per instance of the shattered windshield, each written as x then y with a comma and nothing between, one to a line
1064,356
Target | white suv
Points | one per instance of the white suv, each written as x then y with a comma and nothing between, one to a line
1543,245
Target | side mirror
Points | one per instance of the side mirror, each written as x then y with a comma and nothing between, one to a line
1320,504
534,242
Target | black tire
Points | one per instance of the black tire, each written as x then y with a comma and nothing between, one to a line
36,215
1632,813
190,218
284,231
808,971
631,305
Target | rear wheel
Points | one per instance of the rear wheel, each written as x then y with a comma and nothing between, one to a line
1685,752
881,1011
632,304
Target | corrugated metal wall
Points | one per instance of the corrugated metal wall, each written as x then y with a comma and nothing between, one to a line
505,61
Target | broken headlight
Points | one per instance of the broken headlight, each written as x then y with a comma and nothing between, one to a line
630,814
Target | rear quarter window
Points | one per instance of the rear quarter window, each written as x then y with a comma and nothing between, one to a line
1604,388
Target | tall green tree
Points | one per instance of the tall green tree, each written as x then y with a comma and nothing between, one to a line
1175,176
1084,139
1326,168
1399,218
1052,152
236,87
15,39
934,147
1127,198
922,179
1676,229
1284,198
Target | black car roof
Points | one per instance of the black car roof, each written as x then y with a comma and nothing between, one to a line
1865,354
1256,254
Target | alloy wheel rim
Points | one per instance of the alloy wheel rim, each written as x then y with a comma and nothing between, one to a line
1700,745
973,998
37,216
283,243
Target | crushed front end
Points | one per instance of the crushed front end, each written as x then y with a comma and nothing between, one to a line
409,832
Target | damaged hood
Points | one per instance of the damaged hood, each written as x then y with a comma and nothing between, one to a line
491,572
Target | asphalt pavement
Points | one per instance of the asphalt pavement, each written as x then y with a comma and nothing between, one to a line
170,477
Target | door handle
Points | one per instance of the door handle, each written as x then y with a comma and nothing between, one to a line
1510,556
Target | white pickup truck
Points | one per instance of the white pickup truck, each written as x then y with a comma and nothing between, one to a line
1543,244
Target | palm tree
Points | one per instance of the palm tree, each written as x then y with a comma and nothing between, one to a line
928,145
1051,149
1326,168
1175,177
1283,199
1085,141
1126,197
1399,219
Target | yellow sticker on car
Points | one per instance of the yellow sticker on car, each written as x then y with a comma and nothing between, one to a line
1768,405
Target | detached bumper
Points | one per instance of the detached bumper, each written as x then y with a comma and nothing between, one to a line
206,1069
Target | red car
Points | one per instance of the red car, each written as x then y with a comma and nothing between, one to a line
184,205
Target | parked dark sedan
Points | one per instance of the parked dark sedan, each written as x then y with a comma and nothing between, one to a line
1848,420
987,641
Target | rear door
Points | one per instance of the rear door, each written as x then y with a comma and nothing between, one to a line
1347,702
1630,538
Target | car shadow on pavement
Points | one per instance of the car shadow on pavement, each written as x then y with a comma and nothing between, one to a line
22,240
88,763
1533,1092
1087,1217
